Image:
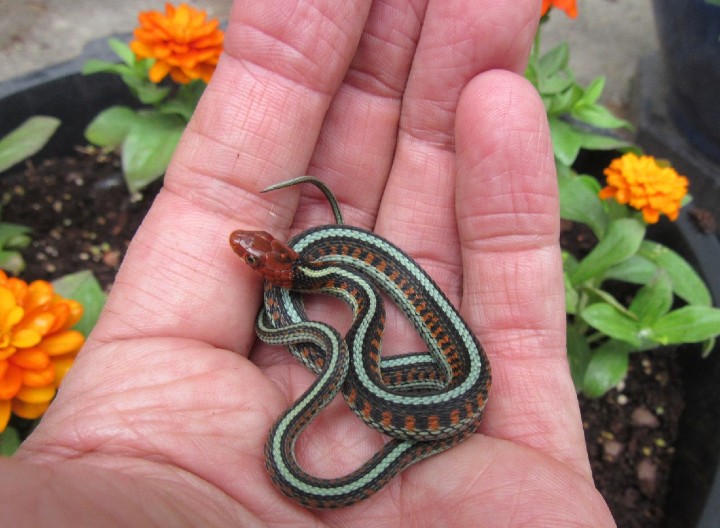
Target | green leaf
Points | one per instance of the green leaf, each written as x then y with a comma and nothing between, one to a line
123,51
186,101
592,141
84,288
571,295
636,270
594,90
579,202
579,355
554,60
26,140
607,367
565,140
569,262
92,66
9,442
555,85
562,102
707,347
148,148
687,284
531,73
602,295
12,262
134,73
13,235
610,321
111,126
144,89
598,116
621,241
689,324
653,300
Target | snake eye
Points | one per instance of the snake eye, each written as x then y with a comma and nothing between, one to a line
252,260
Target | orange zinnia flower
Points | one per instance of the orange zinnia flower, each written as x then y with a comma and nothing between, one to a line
645,185
569,6
181,41
37,346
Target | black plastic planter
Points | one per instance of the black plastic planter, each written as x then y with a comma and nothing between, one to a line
689,33
694,497
62,91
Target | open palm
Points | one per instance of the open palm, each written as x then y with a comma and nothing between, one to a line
413,112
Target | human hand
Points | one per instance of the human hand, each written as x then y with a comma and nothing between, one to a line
416,116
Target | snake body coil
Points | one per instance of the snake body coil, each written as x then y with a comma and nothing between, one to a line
427,402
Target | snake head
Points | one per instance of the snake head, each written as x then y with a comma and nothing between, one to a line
266,255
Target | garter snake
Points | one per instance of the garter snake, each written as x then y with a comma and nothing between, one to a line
426,402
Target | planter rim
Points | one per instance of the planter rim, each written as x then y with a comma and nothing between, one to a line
94,49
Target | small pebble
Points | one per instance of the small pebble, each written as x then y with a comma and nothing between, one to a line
647,475
612,450
642,417
111,258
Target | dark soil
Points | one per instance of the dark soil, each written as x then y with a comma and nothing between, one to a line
83,218
630,434
80,211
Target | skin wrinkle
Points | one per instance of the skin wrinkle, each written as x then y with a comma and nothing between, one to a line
251,122
279,56
383,81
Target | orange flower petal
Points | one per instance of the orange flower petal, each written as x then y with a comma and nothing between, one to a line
140,49
39,294
179,76
62,365
569,6
30,358
39,378
11,382
25,338
184,43
19,289
6,352
36,394
10,313
5,408
650,215
29,411
645,184
62,343
159,71
76,313
40,322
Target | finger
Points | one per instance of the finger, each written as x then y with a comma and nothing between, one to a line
256,124
509,227
357,141
459,39
356,144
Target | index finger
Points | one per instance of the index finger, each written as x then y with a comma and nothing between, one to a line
256,124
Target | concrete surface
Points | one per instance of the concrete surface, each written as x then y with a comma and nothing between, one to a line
38,33
607,38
